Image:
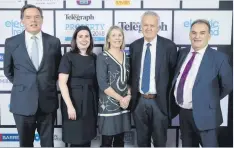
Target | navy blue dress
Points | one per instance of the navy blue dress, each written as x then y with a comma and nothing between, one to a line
82,87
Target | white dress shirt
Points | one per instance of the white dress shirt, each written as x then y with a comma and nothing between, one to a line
29,41
152,88
191,77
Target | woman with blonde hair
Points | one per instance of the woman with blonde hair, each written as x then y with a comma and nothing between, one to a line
114,94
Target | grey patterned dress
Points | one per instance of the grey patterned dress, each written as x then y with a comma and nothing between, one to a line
112,119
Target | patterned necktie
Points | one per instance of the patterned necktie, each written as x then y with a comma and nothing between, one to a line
180,88
35,52
146,70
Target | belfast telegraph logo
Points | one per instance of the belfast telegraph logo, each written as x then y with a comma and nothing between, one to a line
78,17
136,26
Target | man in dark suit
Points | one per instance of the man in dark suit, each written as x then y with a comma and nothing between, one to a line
153,59
31,62
203,77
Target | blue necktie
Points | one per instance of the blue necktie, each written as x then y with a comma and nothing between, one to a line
146,70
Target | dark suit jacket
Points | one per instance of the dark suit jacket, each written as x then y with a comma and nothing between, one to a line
213,82
166,55
31,88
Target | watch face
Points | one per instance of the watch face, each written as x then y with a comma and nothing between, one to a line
83,2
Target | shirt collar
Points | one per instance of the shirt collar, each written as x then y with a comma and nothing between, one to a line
201,51
153,42
29,35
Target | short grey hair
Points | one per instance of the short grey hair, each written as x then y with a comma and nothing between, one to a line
201,21
152,13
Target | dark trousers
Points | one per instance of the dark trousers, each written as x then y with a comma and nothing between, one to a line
113,141
88,144
26,126
150,123
191,136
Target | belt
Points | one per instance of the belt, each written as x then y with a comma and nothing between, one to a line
185,109
149,96
85,84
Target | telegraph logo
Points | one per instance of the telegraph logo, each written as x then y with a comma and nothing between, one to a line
131,26
83,2
136,26
78,17
122,2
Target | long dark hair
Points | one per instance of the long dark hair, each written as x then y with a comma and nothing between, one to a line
74,47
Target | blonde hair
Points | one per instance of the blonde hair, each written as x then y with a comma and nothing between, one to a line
107,44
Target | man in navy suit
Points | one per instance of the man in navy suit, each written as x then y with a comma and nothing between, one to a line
203,77
153,61
31,64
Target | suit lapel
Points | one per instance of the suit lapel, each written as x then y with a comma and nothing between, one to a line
159,55
203,66
25,54
138,56
180,62
46,46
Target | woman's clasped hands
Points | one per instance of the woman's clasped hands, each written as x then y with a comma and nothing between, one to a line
124,102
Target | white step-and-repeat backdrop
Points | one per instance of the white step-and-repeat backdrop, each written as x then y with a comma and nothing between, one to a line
61,17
